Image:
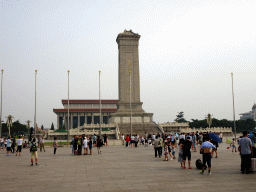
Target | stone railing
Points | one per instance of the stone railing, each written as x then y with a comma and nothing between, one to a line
90,129
212,129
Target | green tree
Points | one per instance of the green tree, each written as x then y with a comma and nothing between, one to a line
42,127
16,127
180,117
52,127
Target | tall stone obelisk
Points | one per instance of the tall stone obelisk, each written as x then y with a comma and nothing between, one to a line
128,61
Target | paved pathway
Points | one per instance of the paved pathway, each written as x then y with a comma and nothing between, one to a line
119,169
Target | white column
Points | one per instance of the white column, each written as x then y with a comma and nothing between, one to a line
78,116
85,118
71,121
58,120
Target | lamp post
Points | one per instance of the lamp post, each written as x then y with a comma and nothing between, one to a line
2,74
233,106
35,104
28,126
100,102
9,123
68,107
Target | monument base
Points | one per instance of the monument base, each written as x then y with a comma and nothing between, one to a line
140,118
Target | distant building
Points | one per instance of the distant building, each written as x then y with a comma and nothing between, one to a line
250,114
84,112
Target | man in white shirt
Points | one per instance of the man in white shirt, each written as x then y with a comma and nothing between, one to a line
153,137
19,141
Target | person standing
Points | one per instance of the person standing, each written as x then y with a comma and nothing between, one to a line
105,137
55,145
156,147
233,144
245,148
42,143
122,138
79,145
221,135
127,138
99,144
94,139
9,145
33,151
90,145
19,141
187,144
13,144
1,143
85,142
194,141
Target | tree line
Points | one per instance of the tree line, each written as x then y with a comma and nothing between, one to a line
241,125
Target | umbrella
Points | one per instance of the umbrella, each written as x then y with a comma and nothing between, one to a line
215,137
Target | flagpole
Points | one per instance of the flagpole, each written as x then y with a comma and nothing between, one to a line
2,74
68,107
233,106
35,104
100,102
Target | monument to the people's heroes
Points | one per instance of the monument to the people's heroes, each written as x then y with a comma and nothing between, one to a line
128,60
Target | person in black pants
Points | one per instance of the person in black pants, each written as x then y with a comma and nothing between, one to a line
245,148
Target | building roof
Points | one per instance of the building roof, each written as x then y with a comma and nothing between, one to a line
83,110
254,106
64,101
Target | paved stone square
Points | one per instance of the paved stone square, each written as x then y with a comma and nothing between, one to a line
120,169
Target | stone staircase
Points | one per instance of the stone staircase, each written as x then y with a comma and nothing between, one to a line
139,128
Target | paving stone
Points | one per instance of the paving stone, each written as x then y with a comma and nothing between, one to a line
120,169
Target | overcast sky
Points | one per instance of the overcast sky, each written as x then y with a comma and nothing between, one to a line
187,52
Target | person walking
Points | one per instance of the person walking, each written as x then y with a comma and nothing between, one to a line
33,151
55,145
245,148
206,150
19,141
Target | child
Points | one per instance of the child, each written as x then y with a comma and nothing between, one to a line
180,159
173,149
233,145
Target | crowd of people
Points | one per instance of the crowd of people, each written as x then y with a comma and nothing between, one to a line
164,144
82,142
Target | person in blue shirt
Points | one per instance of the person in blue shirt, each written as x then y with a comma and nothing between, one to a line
9,145
206,149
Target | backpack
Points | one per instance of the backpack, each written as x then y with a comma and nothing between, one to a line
199,164
79,142
33,147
